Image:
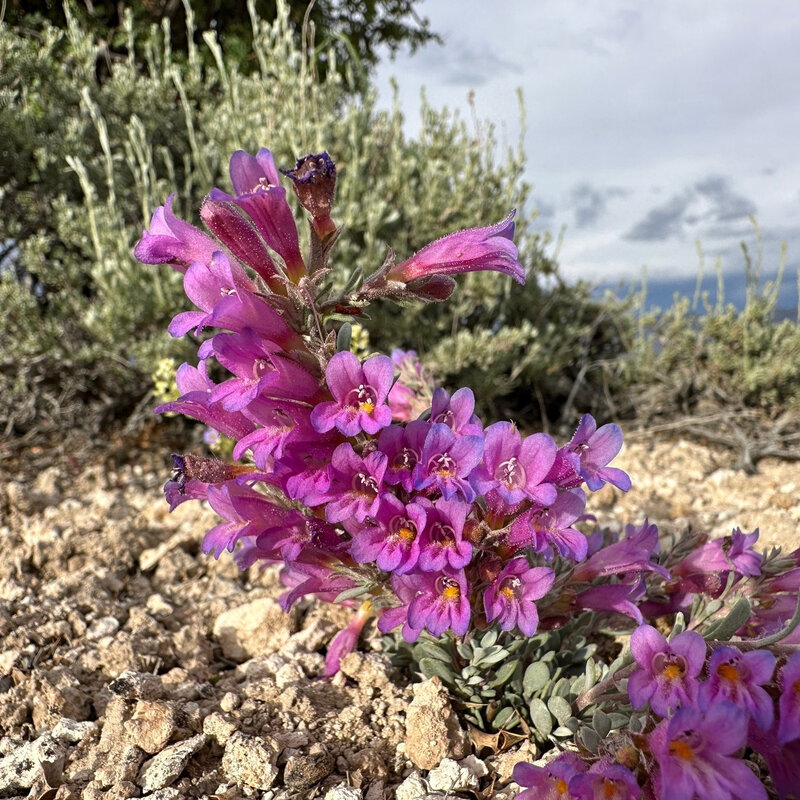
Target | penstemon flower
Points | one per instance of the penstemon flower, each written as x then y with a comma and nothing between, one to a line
373,488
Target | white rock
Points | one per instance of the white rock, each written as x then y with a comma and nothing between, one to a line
450,776
412,788
343,792
68,730
105,626
250,760
253,629
161,770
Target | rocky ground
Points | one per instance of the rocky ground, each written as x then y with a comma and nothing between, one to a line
132,665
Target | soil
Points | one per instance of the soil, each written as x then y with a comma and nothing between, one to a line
132,665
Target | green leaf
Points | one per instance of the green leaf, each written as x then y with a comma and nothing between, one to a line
536,676
432,666
562,733
505,719
601,723
561,708
432,650
489,638
541,717
493,656
504,674
617,720
349,594
589,739
343,337
724,628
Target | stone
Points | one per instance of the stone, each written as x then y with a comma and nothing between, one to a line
254,629
121,765
343,792
304,770
219,728
450,776
164,768
369,670
251,760
152,725
68,730
99,629
132,685
412,788
432,728
32,762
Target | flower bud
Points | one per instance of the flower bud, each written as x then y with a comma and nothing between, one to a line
314,183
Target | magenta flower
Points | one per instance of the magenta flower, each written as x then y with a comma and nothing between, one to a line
633,554
551,782
442,544
739,677
260,195
456,412
605,780
346,640
596,447
471,250
668,671
441,602
282,424
403,447
510,597
726,554
515,468
789,703
393,543
783,761
356,484
359,393
172,241
549,529
436,601
447,461
195,401
621,598
695,755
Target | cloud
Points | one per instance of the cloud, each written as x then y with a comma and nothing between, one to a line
662,222
462,63
589,202
709,207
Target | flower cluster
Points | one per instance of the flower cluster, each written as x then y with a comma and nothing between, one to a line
374,489
437,519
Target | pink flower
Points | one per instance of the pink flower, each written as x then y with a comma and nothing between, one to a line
472,250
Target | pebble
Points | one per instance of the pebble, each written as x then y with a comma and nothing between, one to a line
164,768
42,758
432,728
256,628
105,626
343,792
304,770
250,760
450,776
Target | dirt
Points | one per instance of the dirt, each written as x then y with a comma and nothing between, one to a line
133,665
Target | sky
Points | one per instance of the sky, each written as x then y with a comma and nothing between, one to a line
649,125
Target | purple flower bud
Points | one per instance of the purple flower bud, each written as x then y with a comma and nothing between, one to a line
668,671
549,529
346,640
314,182
471,250
456,412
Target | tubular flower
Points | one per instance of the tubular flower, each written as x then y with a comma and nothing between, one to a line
472,250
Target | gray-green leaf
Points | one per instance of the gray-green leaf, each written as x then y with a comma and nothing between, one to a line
536,676
541,716
561,708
